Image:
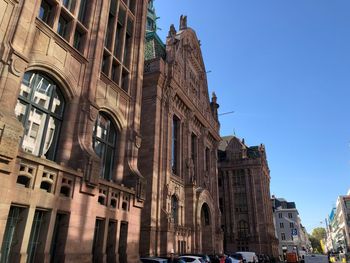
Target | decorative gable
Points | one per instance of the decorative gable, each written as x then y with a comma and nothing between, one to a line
186,66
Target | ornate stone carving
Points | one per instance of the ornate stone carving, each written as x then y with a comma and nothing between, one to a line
172,31
93,112
191,171
17,65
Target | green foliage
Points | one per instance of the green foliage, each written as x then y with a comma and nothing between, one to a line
319,233
315,243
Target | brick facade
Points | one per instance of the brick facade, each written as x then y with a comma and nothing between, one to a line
178,157
244,183
54,205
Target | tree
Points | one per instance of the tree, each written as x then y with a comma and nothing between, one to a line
319,233
316,245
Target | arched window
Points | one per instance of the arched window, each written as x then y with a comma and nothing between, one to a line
40,108
104,143
175,209
205,215
243,229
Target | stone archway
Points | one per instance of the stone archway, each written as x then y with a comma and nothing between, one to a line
206,227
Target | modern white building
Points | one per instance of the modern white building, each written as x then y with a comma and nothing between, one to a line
291,234
338,227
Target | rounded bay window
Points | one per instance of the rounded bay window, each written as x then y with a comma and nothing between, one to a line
40,108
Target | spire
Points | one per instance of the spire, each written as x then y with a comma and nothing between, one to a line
183,22
151,17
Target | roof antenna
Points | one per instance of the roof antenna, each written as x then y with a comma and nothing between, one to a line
225,113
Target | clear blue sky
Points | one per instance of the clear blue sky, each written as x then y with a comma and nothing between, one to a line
283,66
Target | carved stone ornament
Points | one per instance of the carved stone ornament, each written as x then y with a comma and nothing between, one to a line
172,31
93,112
17,65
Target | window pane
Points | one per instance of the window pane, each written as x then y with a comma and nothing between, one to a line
27,78
34,241
101,129
11,235
82,11
62,27
51,138
25,90
122,15
69,4
78,41
42,88
132,4
57,106
32,139
112,135
45,11
108,163
99,148
109,33
20,111
42,93
118,41
105,64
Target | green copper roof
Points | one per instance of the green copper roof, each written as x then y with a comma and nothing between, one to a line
253,152
151,18
154,47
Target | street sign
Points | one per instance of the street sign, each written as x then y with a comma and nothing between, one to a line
294,232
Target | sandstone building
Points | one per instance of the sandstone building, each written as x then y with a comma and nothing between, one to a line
244,189
70,96
178,156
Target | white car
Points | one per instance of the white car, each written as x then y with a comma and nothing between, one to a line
153,260
193,259
250,257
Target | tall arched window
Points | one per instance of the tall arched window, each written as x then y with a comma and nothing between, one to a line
104,143
175,209
205,215
40,108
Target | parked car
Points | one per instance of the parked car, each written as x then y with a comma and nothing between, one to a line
154,260
230,259
238,256
205,257
250,257
193,259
